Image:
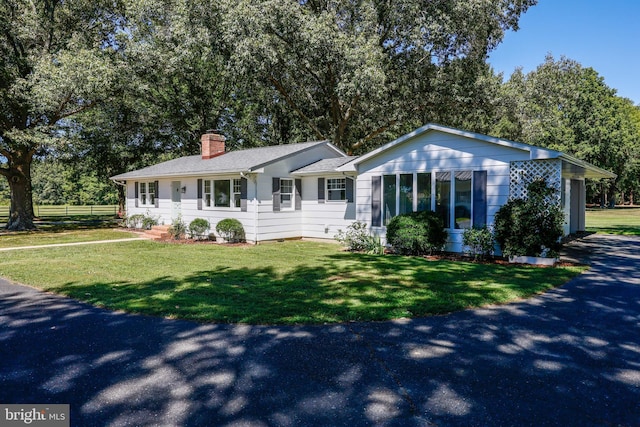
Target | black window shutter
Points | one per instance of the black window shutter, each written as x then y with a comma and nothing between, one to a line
320,190
479,198
376,201
200,194
243,194
349,184
298,190
135,185
157,195
275,192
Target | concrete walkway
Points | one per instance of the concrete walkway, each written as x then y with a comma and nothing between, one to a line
57,245
570,357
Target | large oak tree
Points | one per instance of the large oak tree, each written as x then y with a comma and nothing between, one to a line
54,63
359,72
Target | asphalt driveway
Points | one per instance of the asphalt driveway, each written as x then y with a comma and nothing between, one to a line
568,357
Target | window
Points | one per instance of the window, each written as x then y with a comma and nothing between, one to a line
207,193
443,197
220,193
147,193
458,198
337,189
388,198
424,192
462,210
406,194
286,194
237,192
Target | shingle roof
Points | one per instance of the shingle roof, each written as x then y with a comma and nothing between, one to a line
230,162
324,165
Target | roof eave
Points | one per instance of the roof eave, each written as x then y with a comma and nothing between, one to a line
121,177
591,171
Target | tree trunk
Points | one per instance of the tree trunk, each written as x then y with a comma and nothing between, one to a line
122,200
19,178
611,194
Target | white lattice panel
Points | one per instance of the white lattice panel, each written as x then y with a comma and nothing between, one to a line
524,172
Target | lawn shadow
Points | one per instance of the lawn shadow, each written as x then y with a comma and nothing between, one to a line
337,290
569,357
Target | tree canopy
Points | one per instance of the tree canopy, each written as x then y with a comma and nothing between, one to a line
111,85
357,73
567,107
55,63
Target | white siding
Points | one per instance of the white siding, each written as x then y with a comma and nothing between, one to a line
189,205
436,151
324,220
260,222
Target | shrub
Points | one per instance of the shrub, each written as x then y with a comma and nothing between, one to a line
358,239
148,221
231,230
479,241
134,221
178,228
416,233
142,221
198,227
531,226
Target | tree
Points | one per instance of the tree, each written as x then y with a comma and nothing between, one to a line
359,72
178,86
564,106
55,64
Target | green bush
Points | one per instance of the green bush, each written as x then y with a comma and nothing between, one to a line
198,227
231,230
531,226
479,242
142,221
416,233
133,221
178,228
148,221
358,239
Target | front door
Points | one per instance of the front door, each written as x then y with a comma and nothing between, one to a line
176,199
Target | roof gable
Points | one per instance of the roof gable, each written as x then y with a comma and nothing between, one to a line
535,152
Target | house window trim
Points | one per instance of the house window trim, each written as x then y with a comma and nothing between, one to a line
233,181
149,202
449,227
292,194
343,190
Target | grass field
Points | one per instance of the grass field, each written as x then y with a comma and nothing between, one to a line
280,283
68,232
624,221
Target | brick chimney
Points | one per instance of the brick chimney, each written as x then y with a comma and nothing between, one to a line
212,144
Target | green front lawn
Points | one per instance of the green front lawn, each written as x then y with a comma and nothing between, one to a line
277,283
625,221
49,235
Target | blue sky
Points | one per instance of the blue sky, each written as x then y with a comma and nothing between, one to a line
601,34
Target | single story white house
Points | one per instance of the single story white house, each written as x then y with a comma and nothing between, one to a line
313,189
